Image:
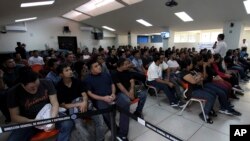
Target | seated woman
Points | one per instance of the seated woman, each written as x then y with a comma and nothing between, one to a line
195,89
230,77
229,61
213,82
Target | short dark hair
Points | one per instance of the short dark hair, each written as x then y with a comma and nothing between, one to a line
91,62
27,75
156,56
197,59
217,56
121,61
60,68
100,49
221,36
51,62
207,56
135,52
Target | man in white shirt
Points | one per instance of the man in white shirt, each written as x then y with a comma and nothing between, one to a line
244,43
155,79
35,59
220,46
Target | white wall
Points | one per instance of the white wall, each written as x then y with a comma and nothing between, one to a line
43,32
122,40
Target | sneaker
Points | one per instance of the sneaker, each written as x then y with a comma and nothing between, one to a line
224,111
119,138
181,104
212,113
138,114
234,112
151,92
237,89
209,120
173,104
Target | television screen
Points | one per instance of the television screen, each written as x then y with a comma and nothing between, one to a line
165,35
98,35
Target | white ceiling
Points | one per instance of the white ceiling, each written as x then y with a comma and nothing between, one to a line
207,14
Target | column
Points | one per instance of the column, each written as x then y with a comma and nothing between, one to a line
233,31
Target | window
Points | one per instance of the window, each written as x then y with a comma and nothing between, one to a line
199,36
142,39
205,37
184,37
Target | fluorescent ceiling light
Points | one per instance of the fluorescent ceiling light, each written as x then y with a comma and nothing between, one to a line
130,2
141,21
98,7
40,3
74,15
93,4
184,16
108,28
247,6
26,19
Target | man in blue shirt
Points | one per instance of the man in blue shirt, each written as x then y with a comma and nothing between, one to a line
53,75
101,90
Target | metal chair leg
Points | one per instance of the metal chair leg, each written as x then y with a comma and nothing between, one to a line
184,107
202,108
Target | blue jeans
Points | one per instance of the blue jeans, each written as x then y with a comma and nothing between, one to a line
142,95
222,95
170,92
123,102
241,71
100,127
210,99
25,134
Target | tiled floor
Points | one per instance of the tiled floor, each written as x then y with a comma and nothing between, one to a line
188,126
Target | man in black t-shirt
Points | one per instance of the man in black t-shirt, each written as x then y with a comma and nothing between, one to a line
26,99
126,91
112,59
68,90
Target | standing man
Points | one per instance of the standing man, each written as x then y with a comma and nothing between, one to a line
21,49
220,46
244,44
26,99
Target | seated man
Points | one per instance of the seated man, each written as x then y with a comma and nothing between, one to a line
125,85
102,90
35,59
53,75
26,99
155,79
68,90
